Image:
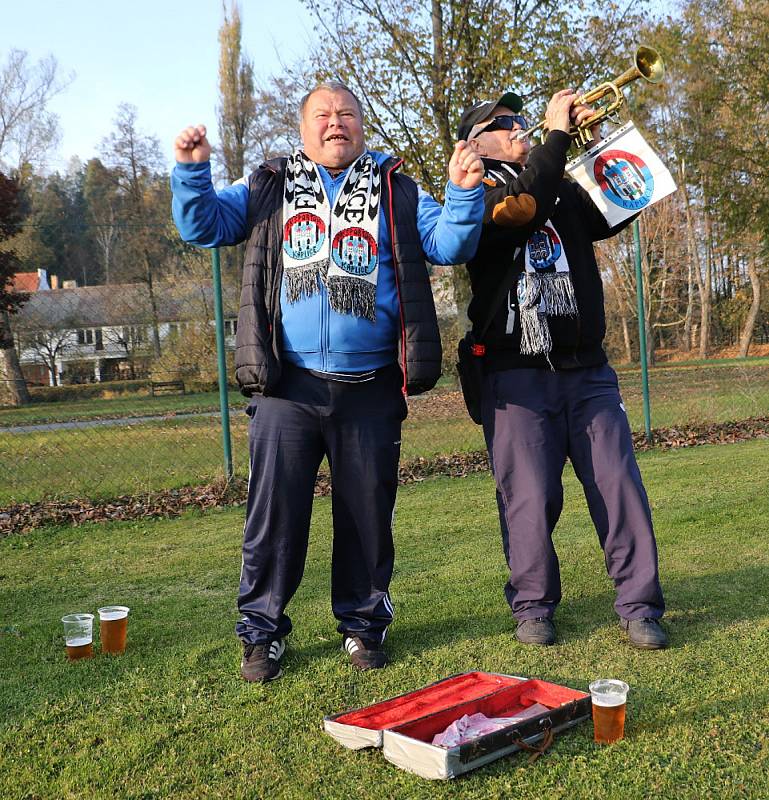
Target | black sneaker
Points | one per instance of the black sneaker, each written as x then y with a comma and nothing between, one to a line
261,661
364,654
536,631
645,633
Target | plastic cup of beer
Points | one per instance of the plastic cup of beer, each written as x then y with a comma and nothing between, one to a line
78,635
609,700
113,627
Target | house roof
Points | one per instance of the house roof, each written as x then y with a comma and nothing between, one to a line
25,282
121,304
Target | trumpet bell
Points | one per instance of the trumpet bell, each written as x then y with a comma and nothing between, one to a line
649,64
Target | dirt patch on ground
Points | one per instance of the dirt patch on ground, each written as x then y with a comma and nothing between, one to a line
446,404
672,356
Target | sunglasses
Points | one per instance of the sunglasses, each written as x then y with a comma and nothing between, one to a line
505,122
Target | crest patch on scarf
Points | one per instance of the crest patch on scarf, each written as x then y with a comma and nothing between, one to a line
544,289
338,245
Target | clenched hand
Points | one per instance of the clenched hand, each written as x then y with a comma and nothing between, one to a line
465,167
191,145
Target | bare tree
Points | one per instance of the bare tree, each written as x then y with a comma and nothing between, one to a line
136,163
48,346
103,201
131,340
276,126
27,129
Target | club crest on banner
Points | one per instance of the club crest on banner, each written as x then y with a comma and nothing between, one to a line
624,178
355,251
544,247
304,235
622,174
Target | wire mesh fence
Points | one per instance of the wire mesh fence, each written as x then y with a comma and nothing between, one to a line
123,380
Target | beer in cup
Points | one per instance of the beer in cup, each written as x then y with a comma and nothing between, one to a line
113,626
78,635
609,699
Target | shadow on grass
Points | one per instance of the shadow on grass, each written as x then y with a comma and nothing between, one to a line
696,606
36,673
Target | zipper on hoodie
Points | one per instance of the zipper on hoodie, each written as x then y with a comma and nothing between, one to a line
325,313
324,326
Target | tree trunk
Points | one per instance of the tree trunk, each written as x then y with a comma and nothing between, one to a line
153,305
694,260
460,278
747,331
626,338
687,338
704,285
17,391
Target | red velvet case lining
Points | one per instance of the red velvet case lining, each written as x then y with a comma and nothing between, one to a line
504,703
446,694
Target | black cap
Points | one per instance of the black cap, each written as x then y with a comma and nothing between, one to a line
482,110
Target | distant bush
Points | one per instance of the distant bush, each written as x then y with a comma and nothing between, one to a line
87,391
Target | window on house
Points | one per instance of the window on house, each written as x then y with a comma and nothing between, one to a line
134,335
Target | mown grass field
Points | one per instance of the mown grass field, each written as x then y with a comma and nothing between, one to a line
175,451
172,719
132,405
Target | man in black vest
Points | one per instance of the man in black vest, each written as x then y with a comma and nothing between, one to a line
548,392
336,325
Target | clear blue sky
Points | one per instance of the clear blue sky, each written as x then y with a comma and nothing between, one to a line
159,55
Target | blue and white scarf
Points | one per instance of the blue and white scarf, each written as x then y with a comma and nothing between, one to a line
337,246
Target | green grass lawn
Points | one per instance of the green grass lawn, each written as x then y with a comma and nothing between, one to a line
131,405
112,461
171,452
172,718
698,394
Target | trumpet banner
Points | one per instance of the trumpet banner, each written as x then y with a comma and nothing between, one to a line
622,174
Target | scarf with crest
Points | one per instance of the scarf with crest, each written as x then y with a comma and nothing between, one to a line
336,246
544,289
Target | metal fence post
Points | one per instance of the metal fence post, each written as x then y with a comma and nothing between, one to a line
639,287
224,402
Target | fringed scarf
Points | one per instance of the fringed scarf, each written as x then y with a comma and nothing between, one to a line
335,245
544,289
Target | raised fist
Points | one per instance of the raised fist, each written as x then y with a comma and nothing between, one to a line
191,145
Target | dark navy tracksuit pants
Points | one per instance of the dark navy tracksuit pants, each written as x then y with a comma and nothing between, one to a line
534,419
358,427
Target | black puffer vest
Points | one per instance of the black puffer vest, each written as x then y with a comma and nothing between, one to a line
257,343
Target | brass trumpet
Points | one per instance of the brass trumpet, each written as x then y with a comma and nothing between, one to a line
647,64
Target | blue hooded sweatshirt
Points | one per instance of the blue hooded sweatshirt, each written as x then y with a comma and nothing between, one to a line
314,335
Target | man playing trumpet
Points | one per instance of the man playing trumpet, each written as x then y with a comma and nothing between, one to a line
548,392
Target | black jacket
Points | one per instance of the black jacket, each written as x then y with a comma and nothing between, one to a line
257,342
577,341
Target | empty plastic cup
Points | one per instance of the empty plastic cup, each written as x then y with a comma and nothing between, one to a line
78,635
609,699
113,627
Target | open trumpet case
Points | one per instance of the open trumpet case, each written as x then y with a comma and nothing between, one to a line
404,726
